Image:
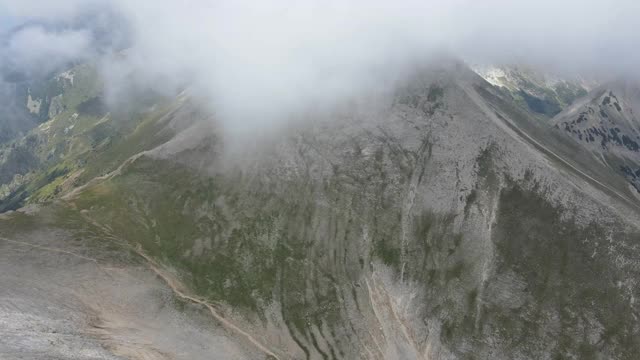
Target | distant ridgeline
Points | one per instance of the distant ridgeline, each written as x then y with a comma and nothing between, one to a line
539,93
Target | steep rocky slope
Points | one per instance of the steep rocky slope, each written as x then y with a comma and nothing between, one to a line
605,124
55,106
27,102
439,220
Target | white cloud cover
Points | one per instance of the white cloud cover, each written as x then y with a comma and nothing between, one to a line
35,49
254,59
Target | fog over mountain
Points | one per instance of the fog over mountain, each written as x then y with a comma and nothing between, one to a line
283,55
319,180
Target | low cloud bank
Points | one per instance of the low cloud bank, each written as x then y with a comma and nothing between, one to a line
255,61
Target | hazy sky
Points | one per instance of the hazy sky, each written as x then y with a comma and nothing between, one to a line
259,57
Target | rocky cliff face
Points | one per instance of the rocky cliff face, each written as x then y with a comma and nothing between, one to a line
605,124
439,220
26,103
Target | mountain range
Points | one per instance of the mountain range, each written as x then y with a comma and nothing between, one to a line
465,213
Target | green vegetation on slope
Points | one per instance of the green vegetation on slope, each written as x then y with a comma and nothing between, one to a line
81,142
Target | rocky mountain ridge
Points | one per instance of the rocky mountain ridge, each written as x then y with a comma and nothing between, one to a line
441,219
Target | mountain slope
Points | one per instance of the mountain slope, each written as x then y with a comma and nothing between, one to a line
542,94
438,220
605,124
80,142
67,292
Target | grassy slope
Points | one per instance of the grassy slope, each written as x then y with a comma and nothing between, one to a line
78,144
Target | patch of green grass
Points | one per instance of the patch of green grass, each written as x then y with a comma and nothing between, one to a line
388,252
435,93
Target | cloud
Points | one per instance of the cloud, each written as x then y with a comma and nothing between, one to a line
54,9
255,61
33,49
